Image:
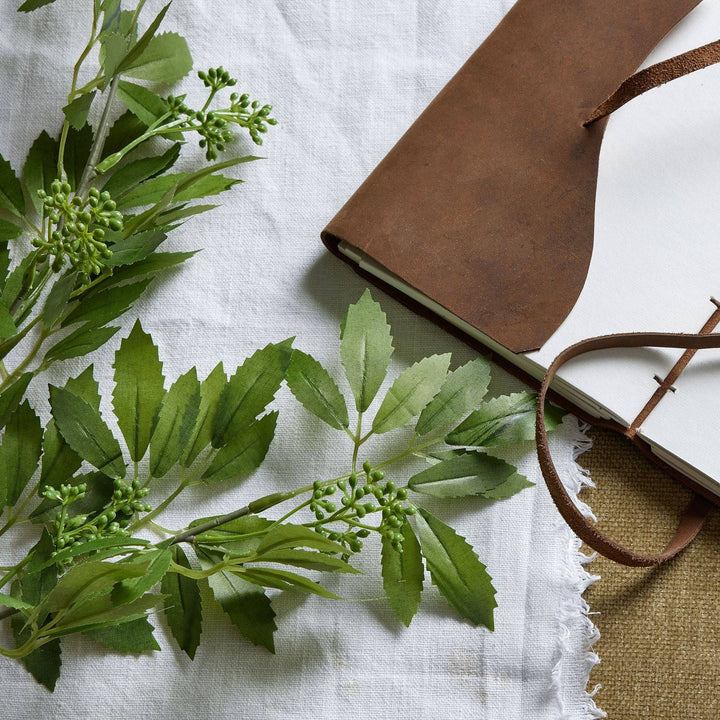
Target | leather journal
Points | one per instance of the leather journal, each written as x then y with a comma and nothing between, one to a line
498,216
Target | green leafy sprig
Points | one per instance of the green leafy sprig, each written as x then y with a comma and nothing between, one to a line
95,574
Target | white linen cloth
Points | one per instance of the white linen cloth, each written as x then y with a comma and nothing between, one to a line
346,80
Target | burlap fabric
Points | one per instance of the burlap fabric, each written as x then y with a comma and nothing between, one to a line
659,626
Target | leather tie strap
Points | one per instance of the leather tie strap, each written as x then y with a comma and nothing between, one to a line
697,511
656,75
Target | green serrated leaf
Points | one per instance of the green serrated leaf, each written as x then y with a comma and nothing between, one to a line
512,486
139,390
86,433
41,168
134,637
151,264
14,602
461,392
165,59
77,153
7,324
11,194
152,191
506,420
120,545
175,423
127,128
43,663
82,341
456,570
250,389
239,536
312,385
30,5
365,349
40,575
210,391
403,574
247,606
143,103
244,453
472,473
297,536
77,111
19,453
307,559
101,308
113,50
183,605
412,390
57,299
286,580
85,386
141,170
136,247
181,212
143,43
156,563
12,396
10,231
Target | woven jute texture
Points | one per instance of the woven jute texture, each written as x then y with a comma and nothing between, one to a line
660,628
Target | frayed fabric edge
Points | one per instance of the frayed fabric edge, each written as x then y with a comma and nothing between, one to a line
574,614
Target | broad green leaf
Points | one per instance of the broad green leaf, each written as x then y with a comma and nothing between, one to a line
297,536
181,212
456,571
113,50
12,396
19,453
86,433
175,423
506,420
365,349
403,574
250,389
138,171
151,264
85,386
77,111
125,129
11,194
461,392
246,604
7,325
320,561
512,486
135,636
412,390
77,153
82,341
165,59
152,191
30,5
210,391
99,612
10,231
244,453
156,563
57,299
99,491
41,168
13,602
286,580
105,306
87,581
183,605
136,247
139,390
312,385
143,43
473,473
143,103
43,663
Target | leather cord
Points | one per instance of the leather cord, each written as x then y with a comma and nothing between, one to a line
655,75
697,511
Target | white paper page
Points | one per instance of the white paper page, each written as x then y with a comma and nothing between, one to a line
656,256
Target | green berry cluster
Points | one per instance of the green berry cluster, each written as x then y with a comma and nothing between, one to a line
251,115
70,531
77,228
217,78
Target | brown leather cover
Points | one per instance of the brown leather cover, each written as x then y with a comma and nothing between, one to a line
486,204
